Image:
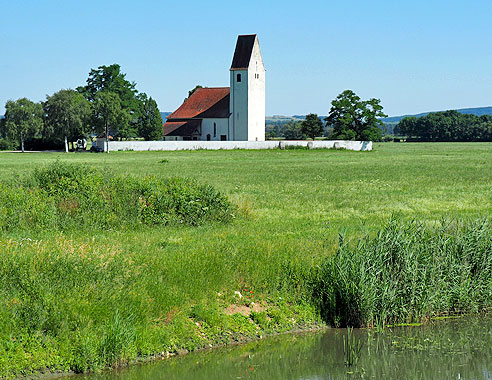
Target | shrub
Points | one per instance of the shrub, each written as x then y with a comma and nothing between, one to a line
65,196
8,144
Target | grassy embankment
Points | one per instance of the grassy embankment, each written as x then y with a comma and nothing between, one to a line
82,297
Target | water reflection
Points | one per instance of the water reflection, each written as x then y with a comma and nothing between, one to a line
451,349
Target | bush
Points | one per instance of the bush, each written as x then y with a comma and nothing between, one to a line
36,143
65,196
409,271
7,144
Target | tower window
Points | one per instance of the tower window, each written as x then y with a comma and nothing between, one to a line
238,78
215,129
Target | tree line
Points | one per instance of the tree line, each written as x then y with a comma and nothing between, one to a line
350,118
446,126
108,104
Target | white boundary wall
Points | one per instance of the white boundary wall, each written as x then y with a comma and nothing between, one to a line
228,145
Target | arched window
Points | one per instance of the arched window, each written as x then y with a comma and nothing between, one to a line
238,78
215,129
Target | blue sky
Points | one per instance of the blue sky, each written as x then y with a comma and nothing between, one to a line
415,56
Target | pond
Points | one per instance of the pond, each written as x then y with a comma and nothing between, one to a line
446,349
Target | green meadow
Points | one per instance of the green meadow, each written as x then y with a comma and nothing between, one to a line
83,297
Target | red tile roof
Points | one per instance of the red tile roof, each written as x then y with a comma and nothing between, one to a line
181,128
209,102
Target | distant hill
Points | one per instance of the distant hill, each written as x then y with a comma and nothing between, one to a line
388,121
280,119
475,111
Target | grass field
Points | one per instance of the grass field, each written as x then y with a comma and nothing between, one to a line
122,293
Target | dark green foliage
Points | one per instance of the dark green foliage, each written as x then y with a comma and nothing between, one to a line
150,121
67,115
23,119
407,272
68,196
193,90
8,144
312,126
292,131
447,126
130,103
110,78
355,119
108,114
3,131
478,111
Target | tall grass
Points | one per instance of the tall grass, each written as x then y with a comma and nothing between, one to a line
109,279
409,271
84,304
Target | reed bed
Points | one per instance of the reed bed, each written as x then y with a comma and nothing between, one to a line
407,272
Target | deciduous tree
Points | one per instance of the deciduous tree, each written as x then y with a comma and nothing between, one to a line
23,119
108,113
67,114
312,126
447,126
292,131
355,119
111,79
150,121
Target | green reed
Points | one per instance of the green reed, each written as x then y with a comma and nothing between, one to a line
407,272
352,347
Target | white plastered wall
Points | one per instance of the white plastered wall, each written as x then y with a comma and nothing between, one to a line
221,128
256,95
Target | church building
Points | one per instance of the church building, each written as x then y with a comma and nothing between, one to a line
235,113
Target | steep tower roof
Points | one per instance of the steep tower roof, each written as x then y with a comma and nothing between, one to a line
242,54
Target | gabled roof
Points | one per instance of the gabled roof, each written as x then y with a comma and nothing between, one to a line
181,128
218,110
242,54
208,102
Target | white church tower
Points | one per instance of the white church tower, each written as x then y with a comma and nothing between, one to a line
247,97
